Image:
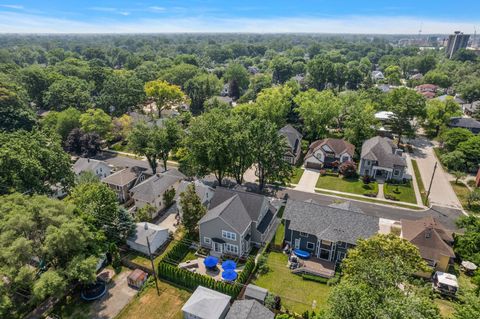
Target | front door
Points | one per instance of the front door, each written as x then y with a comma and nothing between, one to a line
297,243
217,247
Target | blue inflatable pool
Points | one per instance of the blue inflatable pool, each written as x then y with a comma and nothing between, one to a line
301,253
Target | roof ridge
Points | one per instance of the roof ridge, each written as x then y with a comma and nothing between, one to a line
327,206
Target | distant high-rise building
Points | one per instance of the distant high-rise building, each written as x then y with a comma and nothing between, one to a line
456,41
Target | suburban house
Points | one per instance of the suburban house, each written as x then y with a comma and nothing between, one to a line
380,158
294,143
100,168
249,309
470,108
326,232
206,303
157,236
326,152
122,181
235,221
433,240
429,91
465,122
456,98
204,192
377,76
151,190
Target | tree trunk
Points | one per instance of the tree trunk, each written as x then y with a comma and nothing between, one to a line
165,163
152,161
399,139
219,177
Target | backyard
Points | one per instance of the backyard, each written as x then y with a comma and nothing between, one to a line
462,191
296,293
149,305
347,185
400,192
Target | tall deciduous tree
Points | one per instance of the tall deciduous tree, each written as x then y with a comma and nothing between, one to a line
67,92
439,113
359,122
201,88
274,104
282,69
62,122
237,78
241,147
406,105
317,110
321,71
192,208
164,94
32,162
96,121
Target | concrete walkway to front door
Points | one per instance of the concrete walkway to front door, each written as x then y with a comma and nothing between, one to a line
381,194
308,181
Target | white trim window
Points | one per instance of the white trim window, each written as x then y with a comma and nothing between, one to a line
229,235
310,245
207,240
231,248
303,234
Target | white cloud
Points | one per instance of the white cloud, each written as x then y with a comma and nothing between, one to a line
12,6
14,22
157,9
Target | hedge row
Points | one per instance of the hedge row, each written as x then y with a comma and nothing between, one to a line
190,280
178,252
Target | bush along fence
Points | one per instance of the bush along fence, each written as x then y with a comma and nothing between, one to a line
189,280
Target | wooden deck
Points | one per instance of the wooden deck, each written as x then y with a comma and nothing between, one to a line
317,267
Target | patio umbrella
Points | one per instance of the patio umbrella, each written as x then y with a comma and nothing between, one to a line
210,261
229,275
229,264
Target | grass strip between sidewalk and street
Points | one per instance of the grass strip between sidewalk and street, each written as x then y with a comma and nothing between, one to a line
421,186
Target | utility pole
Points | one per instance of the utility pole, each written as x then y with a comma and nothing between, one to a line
153,266
431,181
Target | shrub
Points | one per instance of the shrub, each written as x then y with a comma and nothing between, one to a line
366,179
262,265
168,197
273,302
323,172
370,194
314,278
348,169
391,197
333,281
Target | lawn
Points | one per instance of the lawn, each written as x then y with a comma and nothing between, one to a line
148,305
297,294
279,234
462,191
354,185
189,256
403,192
421,186
297,174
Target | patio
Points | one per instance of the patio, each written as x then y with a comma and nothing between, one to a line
315,266
198,266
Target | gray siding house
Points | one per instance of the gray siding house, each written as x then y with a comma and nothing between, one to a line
294,143
380,158
235,221
327,232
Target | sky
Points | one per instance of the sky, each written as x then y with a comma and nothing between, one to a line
254,16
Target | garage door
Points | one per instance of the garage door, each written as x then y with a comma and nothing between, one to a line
314,165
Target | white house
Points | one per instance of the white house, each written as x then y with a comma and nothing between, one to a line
205,303
377,76
326,152
100,168
157,236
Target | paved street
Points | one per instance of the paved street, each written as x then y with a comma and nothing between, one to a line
442,193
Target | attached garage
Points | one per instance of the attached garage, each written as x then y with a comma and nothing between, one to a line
313,165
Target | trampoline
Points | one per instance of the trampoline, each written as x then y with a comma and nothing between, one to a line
210,262
229,264
93,292
229,275
301,253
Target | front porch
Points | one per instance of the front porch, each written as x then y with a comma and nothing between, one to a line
315,266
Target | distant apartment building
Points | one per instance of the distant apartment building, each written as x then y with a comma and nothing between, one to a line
456,41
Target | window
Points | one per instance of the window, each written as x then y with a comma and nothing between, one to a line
310,245
229,235
396,172
303,234
344,158
207,240
232,248
342,244
368,163
340,256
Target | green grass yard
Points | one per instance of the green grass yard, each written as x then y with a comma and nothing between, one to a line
297,294
421,186
403,192
354,185
279,234
462,191
297,174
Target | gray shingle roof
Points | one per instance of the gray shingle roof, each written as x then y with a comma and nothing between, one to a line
200,188
249,309
124,176
154,186
291,135
465,122
255,292
252,202
232,212
86,164
330,223
206,303
144,230
382,149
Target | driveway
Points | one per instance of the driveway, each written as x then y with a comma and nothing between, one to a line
168,219
308,181
117,297
441,193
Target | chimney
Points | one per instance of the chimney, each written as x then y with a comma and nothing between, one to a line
145,226
399,152
428,232
88,159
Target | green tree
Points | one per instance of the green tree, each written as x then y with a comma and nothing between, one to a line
164,94
468,308
282,69
62,122
120,92
393,74
360,122
470,91
201,88
317,110
83,269
180,74
51,283
67,92
36,82
32,162
268,151
438,78
240,147
406,105
453,137
439,113
459,175
471,149
237,78
454,160
192,208
466,245
96,121
168,197
274,104
320,73
145,214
